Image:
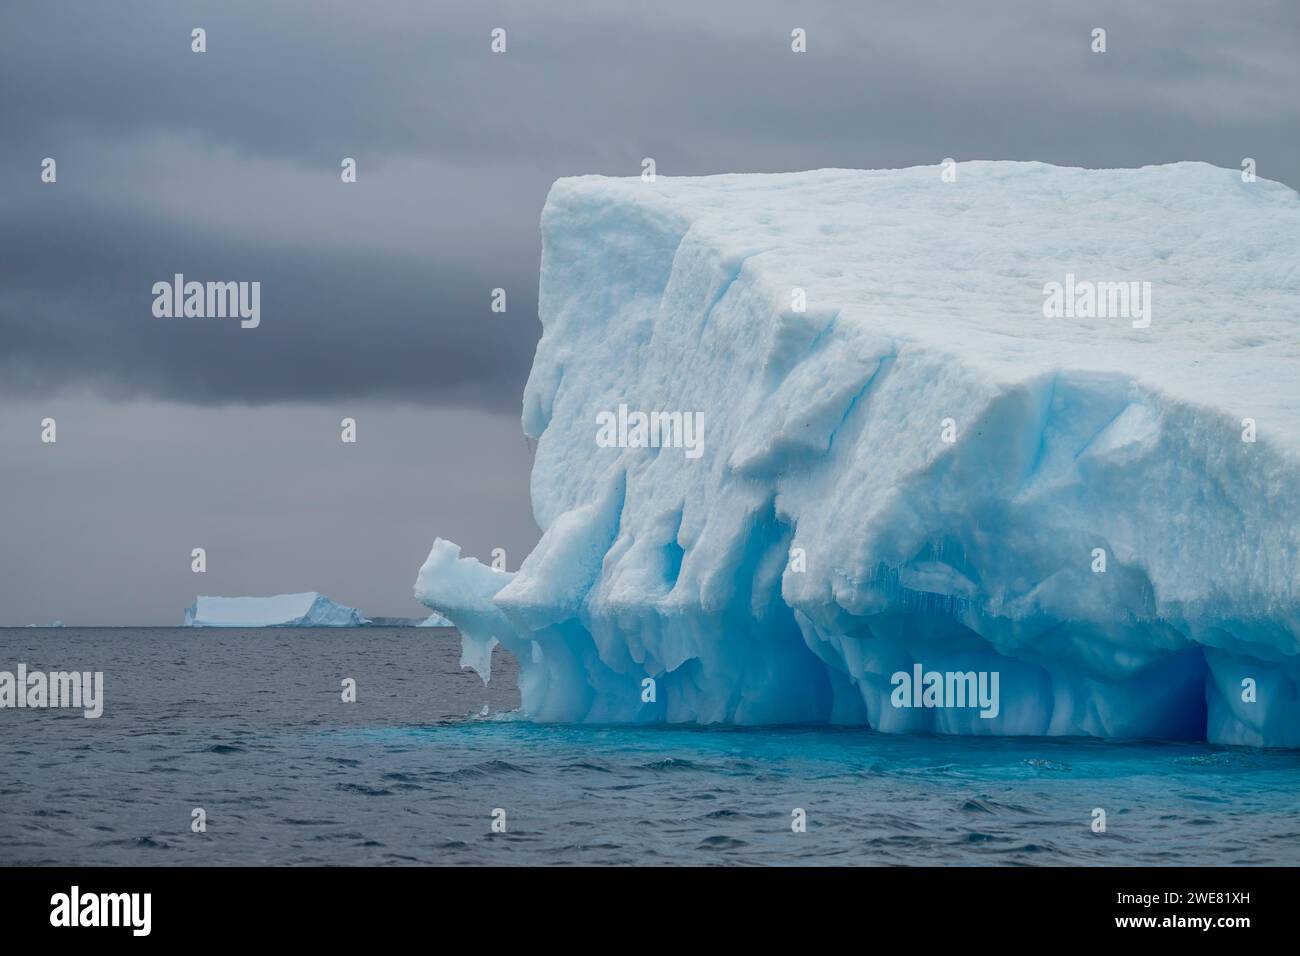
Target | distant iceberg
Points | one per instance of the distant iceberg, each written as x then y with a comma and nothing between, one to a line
1037,422
308,609
435,620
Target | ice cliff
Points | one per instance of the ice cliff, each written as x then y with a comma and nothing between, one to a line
912,454
307,609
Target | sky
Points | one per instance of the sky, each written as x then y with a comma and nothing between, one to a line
225,165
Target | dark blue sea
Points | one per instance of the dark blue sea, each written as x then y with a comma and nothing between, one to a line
250,727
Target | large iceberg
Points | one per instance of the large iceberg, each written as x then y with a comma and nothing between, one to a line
308,609
1037,422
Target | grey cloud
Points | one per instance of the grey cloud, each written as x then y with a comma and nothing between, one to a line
99,526
75,310
229,160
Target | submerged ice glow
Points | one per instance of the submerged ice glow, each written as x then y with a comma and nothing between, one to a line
1100,511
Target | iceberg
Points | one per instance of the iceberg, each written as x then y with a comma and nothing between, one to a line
1037,423
435,620
308,609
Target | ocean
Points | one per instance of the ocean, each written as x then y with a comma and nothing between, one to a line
428,766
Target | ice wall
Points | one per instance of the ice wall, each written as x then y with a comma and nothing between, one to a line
306,609
904,460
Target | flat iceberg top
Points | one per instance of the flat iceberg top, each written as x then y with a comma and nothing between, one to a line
305,609
960,267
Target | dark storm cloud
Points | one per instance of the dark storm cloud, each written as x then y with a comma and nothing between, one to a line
385,294
335,324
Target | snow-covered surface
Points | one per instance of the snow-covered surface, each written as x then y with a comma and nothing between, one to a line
462,589
823,437
307,609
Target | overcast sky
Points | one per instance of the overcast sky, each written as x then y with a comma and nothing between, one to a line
375,295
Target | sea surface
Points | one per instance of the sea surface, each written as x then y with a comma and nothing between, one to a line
249,725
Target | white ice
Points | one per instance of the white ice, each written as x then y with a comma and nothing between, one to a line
824,440
308,609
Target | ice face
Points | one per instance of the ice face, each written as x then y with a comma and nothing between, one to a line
462,589
1041,423
307,609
